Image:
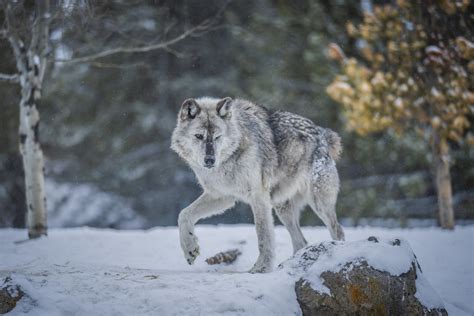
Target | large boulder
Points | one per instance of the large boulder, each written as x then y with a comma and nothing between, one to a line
367,277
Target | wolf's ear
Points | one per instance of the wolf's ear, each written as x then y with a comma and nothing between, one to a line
189,110
223,107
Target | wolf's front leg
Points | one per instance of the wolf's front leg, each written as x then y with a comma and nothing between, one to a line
205,206
262,212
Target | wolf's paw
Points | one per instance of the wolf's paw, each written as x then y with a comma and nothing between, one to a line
260,268
192,255
264,264
190,248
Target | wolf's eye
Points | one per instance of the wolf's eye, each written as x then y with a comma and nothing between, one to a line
217,137
199,136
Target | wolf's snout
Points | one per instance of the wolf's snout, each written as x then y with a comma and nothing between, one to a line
209,161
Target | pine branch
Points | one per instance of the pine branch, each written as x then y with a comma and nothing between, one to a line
226,257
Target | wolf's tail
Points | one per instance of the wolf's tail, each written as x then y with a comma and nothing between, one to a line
334,143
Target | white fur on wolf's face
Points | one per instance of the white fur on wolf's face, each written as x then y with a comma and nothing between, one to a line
205,137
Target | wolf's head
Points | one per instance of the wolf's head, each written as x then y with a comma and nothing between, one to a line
207,132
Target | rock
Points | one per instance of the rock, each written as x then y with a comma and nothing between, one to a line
368,277
9,296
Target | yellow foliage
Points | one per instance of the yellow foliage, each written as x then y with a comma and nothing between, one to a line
335,52
404,82
466,47
470,139
351,29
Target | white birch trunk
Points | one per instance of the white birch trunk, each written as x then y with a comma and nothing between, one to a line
31,64
33,162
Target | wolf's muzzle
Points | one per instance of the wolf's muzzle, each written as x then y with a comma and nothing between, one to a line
209,161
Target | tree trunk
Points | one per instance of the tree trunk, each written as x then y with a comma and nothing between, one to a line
33,163
31,65
443,182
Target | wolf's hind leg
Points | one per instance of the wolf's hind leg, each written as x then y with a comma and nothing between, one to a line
326,211
205,206
322,199
289,213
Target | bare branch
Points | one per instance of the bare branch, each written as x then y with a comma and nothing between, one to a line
15,42
15,78
40,37
176,53
196,31
138,49
99,64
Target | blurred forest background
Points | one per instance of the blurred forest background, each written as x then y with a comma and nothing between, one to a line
106,124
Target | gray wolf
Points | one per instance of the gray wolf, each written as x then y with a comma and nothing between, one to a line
278,160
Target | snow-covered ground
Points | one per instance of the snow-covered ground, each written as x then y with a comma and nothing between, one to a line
85,271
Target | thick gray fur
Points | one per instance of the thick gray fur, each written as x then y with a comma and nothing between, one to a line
240,151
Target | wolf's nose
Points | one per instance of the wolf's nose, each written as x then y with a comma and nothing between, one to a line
209,161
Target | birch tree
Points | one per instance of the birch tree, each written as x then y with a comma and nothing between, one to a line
415,74
31,66
28,34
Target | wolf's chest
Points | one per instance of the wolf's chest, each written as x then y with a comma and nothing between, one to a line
231,182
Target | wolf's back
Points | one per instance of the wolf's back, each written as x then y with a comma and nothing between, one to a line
286,126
